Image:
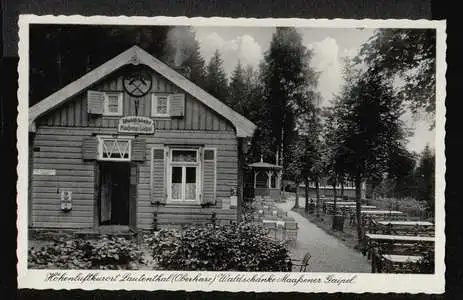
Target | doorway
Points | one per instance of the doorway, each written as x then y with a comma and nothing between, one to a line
114,193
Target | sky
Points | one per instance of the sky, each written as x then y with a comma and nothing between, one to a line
329,46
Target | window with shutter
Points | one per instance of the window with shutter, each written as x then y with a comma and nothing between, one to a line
184,175
158,175
104,103
209,176
113,104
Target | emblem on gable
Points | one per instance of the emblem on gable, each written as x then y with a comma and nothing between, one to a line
137,82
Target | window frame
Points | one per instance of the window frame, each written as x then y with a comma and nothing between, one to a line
154,104
184,165
120,99
121,138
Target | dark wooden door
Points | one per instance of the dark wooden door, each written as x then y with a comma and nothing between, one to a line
116,197
120,194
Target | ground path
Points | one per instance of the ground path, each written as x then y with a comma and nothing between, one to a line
328,253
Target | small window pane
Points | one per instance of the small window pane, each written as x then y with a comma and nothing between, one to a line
208,154
161,105
177,174
113,103
184,156
177,183
190,188
190,174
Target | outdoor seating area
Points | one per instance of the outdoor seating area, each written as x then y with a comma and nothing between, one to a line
394,242
280,226
396,246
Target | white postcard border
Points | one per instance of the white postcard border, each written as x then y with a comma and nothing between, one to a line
379,283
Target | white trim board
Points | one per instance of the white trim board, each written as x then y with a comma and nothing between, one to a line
136,55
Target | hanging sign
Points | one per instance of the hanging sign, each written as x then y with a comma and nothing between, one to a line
136,124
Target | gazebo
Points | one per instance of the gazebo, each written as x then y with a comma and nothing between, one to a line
267,179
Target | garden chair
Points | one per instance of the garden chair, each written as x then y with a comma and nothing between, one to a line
304,262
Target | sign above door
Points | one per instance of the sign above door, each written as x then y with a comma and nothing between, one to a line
136,124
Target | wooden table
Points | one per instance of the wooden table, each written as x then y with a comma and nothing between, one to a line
393,214
382,212
277,222
405,223
394,258
376,240
403,228
399,238
390,262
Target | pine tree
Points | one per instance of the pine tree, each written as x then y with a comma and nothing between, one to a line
239,90
216,80
182,51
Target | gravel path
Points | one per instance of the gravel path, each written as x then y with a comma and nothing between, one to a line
328,253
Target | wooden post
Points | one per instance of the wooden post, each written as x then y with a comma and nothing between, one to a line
269,179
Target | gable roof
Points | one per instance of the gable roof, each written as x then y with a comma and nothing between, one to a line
136,55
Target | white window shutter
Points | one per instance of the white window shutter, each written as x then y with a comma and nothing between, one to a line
95,102
209,176
158,175
177,105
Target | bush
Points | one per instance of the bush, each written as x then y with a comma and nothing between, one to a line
237,247
105,253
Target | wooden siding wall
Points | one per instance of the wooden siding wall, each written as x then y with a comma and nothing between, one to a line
197,115
60,149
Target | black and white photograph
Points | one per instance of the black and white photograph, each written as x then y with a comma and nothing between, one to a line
303,153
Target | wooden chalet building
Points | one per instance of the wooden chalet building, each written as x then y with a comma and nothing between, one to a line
133,143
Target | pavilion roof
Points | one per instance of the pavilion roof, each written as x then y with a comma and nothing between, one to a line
264,165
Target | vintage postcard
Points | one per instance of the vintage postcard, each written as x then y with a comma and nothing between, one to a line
219,154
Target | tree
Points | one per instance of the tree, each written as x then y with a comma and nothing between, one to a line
401,170
239,90
369,128
286,81
182,51
216,80
425,175
407,54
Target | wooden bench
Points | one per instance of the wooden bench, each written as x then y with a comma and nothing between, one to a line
304,263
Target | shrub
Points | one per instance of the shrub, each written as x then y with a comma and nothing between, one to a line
236,247
105,253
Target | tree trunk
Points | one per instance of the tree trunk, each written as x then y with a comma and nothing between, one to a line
342,188
317,193
296,202
334,195
306,190
358,202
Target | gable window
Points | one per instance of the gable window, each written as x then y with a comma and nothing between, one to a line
116,149
160,105
183,179
113,104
